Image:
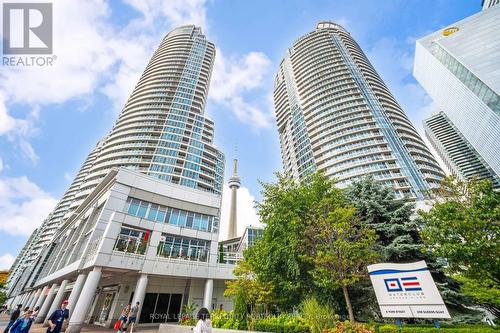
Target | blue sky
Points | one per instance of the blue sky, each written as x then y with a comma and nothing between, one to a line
50,118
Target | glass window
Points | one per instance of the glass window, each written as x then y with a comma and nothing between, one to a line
204,223
182,218
189,220
134,206
197,221
143,207
174,217
153,210
160,217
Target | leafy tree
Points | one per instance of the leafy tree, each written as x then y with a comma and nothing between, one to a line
463,227
280,257
399,241
249,288
342,247
483,292
3,296
240,310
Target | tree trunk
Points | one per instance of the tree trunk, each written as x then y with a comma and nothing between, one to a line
348,303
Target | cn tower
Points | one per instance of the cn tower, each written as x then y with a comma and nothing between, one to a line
234,185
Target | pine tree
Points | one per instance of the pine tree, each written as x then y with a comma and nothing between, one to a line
397,228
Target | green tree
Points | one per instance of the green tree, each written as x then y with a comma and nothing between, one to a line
342,247
483,292
399,241
463,227
3,296
254,293
280,257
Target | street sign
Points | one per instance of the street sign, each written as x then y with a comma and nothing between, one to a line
407,291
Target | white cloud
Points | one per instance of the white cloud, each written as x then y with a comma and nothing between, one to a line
94,56
177,12
6,261
246,213
234,76
23,205
1,164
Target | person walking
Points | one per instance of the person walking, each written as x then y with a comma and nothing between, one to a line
23,323
13,317
204,325
123,318
34,314
132,316
57,318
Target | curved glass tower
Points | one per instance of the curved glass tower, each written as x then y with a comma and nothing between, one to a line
334,113
162,131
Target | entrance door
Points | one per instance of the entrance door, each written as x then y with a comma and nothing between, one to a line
103,315
160,308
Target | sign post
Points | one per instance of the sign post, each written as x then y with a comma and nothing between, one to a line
407,291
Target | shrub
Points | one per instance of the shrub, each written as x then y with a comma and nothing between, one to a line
317,316
349,327
240,311
279,324
429,329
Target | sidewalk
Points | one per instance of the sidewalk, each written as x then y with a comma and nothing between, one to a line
38,328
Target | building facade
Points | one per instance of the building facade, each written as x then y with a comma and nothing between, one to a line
460,158
140,222
489,3
162,132
459,68
335,114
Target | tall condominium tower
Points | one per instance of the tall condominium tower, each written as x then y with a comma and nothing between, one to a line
335,114
459,67
161,132
460,158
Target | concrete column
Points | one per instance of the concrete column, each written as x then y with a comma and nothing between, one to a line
75,293
56,303
207,296
41,298
30,298
82,306
24,297
140,293
44,309
15,301
38,292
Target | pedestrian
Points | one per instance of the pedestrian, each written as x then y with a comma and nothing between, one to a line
132,317
204,325
23,323
57,318
13,317
34,314
123,318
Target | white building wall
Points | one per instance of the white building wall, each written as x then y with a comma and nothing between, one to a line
479,125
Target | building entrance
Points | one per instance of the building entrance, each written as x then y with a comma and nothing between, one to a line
161,308
104,307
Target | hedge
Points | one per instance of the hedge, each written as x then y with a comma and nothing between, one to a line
421,329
